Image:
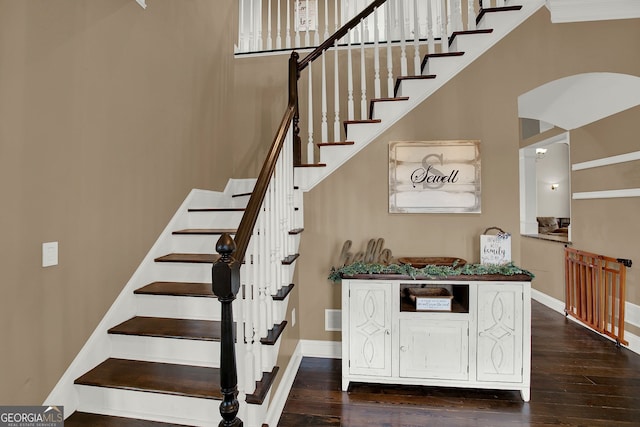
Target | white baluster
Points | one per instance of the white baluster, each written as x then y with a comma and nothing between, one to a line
252,29
241,29
324,127
336,20
444,36
390,86
376,56
310,148
403,41
258,23
350,106
336,95
287,36
326,20
296,4
430,23
279,27
363,76
471,15
416,40
500,3
269,39
307,40
458,15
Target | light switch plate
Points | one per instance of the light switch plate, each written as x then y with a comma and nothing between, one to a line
49,254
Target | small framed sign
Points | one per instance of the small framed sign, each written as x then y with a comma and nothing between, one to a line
434,177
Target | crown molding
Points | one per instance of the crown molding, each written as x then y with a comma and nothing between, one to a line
592,10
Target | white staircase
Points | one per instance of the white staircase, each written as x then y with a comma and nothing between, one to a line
166,294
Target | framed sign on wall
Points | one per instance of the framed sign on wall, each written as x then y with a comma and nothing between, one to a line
434,177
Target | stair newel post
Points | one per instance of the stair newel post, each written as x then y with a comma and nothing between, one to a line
294,74
226,284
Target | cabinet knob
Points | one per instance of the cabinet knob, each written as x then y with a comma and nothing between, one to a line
388,332
403,348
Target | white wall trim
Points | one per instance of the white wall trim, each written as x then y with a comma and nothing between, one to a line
632,316
606,161
328,349
607,194
592,10
142,3
286,383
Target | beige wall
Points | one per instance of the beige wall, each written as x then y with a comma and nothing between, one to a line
480,103
109,116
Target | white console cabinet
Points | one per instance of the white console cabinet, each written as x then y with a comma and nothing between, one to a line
483,342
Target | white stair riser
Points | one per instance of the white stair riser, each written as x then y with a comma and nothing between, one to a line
389,110
224,219
441,66
496,19
412,86
201,243
178,307
150,406
470,42
182,272
166,350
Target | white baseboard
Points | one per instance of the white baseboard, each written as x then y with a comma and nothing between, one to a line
280,397
558,306
328,349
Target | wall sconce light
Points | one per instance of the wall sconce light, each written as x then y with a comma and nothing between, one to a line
554,186
540,152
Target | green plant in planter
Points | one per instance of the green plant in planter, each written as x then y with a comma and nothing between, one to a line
429,271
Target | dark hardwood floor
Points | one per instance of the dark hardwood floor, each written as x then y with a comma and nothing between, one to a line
577,379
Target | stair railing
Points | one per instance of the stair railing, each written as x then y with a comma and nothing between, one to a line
387,40
251,264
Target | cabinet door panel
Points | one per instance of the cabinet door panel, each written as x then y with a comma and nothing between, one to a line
370,326
500,333
434,349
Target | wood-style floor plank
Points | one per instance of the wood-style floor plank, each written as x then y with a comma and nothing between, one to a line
577,379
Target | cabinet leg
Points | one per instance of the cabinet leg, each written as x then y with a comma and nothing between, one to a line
526,394
345,384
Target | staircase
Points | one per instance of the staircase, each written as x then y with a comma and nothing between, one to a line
154,358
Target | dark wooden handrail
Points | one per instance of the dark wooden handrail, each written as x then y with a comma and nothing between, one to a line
340,33
248,222
226,271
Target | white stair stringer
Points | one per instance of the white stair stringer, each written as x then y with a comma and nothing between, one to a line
418,90
102,345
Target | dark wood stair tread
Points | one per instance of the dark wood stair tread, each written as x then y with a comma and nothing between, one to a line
186,289
290,259
484,11
468,32
216,209
274,333
241,194
334,144
311,165
296,231
203,330
205,231
281,295
86,419
155,377
401,78
262,387
374,100
191,258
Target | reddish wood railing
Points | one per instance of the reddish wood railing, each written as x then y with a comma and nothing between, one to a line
595,292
